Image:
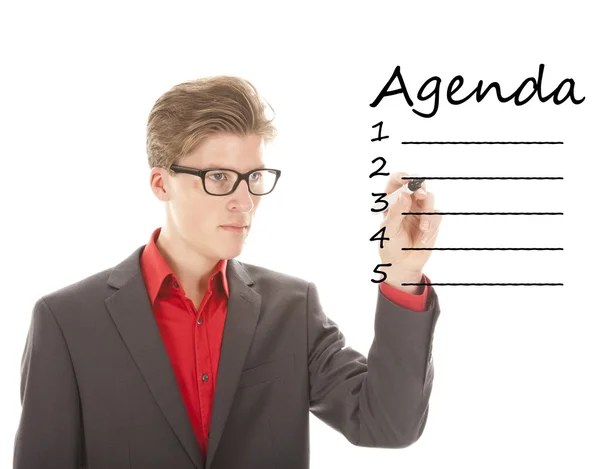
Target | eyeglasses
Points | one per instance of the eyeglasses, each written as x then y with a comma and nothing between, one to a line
220,181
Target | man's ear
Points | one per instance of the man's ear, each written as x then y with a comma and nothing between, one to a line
159,181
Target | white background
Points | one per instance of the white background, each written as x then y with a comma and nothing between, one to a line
516,380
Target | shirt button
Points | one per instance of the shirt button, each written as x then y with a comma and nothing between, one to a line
204,377
199,320
175,284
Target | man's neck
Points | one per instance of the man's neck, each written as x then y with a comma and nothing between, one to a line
192,270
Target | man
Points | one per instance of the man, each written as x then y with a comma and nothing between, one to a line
183,357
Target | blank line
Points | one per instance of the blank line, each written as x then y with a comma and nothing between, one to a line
461,177
482,249
482,143
482,213
486,284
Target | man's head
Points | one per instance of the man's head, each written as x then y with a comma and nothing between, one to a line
215,122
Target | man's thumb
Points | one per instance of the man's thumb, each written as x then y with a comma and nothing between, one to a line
394,217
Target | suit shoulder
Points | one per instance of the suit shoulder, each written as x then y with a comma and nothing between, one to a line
265,275
83,290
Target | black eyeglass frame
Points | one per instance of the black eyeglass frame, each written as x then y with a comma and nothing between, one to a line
201,173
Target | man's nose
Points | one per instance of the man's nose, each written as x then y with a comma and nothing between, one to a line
243,196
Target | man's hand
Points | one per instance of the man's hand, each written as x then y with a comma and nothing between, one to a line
408,231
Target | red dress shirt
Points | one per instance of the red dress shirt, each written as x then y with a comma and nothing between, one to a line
193,337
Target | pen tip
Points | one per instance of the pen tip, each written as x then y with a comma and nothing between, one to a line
414,184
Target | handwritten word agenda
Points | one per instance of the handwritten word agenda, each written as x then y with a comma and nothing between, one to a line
458,81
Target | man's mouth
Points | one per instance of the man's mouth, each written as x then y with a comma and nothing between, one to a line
235,227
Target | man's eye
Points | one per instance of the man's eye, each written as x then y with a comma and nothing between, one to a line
215,174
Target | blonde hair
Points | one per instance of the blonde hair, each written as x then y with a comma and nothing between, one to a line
193,111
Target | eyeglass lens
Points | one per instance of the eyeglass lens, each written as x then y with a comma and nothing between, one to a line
222,181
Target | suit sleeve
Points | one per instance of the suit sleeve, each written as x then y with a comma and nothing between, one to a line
383,400
49,434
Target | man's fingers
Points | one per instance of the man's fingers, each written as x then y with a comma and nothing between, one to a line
393,216
433,230
395,181
426,222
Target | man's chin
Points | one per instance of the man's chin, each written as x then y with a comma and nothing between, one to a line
230,251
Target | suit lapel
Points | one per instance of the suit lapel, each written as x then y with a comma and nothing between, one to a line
243,308
131,311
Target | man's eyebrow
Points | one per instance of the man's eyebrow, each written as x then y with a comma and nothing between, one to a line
211,165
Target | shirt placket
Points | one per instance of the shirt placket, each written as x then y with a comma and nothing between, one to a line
204,372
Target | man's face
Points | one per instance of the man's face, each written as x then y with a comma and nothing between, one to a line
195,216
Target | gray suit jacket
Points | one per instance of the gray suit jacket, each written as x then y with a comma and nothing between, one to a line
98,389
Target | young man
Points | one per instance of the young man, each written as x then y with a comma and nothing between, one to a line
183,357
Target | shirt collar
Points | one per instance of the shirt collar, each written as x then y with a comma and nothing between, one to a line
156,270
